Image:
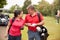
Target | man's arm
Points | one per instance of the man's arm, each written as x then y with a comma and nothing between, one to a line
41,23
26,22
41,20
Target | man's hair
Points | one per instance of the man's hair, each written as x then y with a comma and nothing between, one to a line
31,7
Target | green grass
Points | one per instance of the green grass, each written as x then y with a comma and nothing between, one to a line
53,28
51,25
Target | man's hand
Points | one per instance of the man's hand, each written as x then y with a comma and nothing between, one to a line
34,25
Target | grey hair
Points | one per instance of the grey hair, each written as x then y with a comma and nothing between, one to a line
31,7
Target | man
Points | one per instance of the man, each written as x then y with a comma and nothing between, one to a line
32,21
58,16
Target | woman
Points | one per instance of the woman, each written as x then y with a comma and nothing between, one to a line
15,26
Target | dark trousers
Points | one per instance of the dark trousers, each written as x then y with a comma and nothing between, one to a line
14,37
58,19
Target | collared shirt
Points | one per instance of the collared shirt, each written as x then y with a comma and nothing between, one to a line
32,20
15,28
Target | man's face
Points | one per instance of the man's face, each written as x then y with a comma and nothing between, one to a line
30,11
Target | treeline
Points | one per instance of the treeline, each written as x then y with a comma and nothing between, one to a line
43,6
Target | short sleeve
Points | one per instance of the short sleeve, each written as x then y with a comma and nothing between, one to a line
23,22
10,20
41,17
26,19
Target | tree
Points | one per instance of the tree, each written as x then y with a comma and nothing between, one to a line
15,7
56,6
26,3
2,3
44,8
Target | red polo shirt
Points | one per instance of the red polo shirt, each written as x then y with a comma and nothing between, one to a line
15,28
34,19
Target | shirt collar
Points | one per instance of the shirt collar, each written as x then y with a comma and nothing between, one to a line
34,14
18,19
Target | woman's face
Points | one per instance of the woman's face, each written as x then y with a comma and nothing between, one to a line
21,14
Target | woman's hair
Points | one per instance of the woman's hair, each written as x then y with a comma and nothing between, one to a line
17,12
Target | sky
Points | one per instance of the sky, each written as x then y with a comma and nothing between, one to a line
21,2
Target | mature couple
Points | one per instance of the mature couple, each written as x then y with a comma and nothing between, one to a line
31,21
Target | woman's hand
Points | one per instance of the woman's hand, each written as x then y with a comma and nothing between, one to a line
6,35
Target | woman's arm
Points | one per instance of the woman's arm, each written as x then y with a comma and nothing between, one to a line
6,34
7,27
